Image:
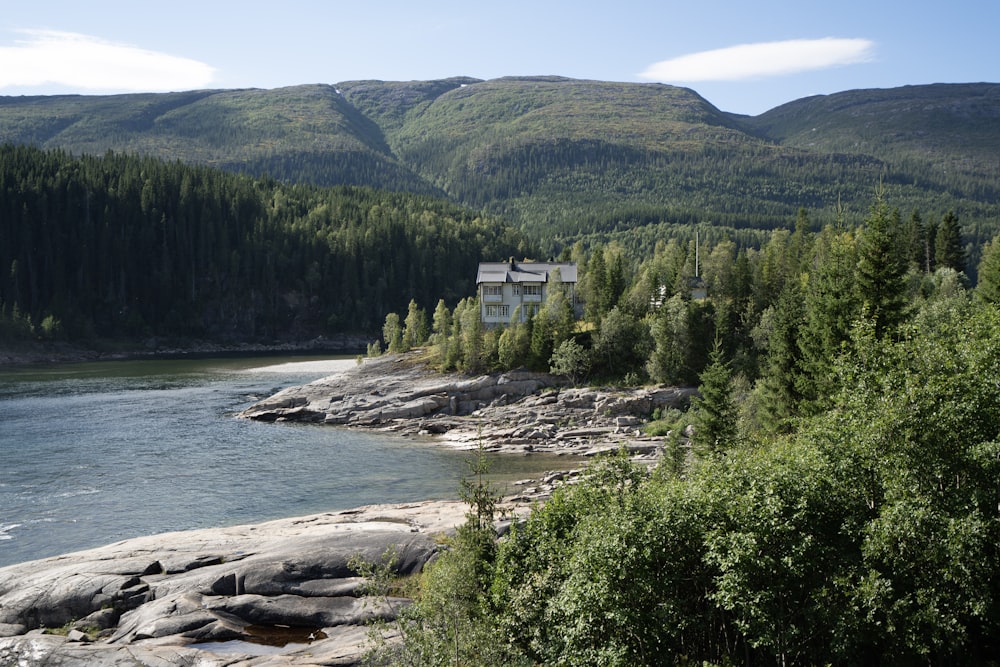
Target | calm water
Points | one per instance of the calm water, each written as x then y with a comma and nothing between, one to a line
98,452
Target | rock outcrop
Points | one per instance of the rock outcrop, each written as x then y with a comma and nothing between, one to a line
281,593
513,412
217,596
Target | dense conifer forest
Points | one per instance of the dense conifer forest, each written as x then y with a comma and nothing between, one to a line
124,248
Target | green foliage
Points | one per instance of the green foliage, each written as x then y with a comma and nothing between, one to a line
563,158
778,386
988,288
622,344
868,536
415,331
392,334
831,307
923,412
948,250
881,268
450,621
714,409
570,359
127,247
514,344
858,526
670,361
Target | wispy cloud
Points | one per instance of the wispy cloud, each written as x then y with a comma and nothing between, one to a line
763,59
83,62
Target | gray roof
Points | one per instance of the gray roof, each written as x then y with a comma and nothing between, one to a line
524,272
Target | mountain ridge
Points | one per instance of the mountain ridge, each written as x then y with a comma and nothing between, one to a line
557,155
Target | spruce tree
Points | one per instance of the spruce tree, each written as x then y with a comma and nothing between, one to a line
881,272
948,250
714,410
988,288
830,309
777,389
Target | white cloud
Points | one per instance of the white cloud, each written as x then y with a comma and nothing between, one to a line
764,59
82,62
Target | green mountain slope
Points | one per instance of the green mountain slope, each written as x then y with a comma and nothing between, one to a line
951,132
303,133
565,158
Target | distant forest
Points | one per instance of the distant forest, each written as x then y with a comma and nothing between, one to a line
119,247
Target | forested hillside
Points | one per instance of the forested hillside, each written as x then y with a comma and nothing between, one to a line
944,133
122,247
829,498
564,158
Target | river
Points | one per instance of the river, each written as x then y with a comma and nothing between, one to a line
93,453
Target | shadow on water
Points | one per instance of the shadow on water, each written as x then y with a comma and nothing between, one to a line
266,640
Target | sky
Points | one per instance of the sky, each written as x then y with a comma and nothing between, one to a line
743,56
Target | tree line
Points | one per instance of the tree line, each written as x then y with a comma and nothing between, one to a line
830,497
123,247
777,307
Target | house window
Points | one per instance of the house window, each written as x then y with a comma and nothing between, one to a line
493,293
494,312
516,289
528,311
532,290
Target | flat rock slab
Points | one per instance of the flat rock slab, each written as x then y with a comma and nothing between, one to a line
203,596
514,412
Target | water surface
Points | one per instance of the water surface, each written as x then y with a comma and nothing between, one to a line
94,453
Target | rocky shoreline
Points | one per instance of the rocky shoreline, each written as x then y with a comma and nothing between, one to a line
271,594
517,412
281,593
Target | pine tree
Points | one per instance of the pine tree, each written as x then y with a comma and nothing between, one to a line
988,288
881,273
777,387
714,410
948,250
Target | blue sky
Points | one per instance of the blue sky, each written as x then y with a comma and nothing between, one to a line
744,57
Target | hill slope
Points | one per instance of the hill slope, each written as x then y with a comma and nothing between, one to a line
304,133
564,157
952,131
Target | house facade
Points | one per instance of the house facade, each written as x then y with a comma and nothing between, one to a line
504,286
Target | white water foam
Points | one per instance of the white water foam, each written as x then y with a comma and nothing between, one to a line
5,530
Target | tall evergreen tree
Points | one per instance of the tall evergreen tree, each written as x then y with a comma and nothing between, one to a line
593,287
777,389
714,409
881,271
988,287
948,250
912,240
670,360
831,307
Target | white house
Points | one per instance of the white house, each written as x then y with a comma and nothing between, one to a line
503,286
